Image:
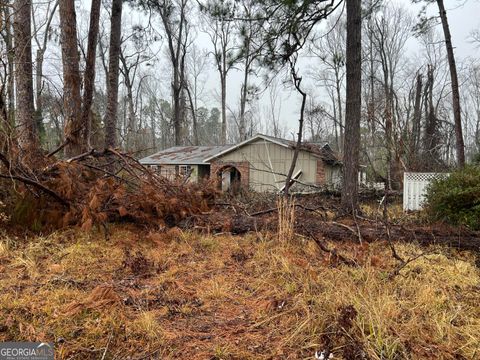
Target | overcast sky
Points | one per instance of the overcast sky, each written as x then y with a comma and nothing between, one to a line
463,17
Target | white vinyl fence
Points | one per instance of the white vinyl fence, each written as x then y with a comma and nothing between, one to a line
414,188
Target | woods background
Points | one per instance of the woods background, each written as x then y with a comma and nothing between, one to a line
145,75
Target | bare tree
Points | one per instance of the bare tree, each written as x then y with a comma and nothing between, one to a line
41,43
330,50
390,32
8,81
416,122
173,14
197,64
457,113
113,72
135,52
89,75
431,137
220,30
274,109
297,83
249,54
353,105
435,152
473,95
71,79
24,113
475,36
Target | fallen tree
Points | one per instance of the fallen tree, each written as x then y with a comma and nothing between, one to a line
308,225
98,187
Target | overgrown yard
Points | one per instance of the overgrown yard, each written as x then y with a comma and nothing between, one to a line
182,295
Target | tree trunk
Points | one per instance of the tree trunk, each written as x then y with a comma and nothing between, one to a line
455,91
40,55
183,96
132,121
244,92
3,116
417,112
431,140
25,121
38,93
414,150
297,83
11,72
223,80
154,136
193,108
176,90
371,104
89,75
113,70
131,125
353,106
243,105
178,86
71,79
339,104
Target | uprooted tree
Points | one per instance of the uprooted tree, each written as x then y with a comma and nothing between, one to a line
95,188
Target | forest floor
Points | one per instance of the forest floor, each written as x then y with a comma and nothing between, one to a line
182,294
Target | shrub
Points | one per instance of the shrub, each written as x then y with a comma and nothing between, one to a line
456,199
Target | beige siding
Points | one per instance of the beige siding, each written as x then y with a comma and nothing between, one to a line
333,176
268,161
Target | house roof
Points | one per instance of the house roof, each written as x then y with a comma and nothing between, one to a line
325,152
183,155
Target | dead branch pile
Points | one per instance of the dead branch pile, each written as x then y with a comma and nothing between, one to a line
99,187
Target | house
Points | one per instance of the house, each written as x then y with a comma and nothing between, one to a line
260,163
183,160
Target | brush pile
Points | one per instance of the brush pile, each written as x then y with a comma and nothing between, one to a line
100,187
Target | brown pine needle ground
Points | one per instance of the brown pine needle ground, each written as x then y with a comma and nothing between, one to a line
180,295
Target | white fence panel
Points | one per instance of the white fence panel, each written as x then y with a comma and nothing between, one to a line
415,186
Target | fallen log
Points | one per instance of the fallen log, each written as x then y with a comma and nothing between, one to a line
461,239
38,186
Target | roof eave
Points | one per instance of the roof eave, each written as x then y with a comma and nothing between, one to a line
173,163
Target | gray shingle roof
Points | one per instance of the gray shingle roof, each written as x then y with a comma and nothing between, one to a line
183,155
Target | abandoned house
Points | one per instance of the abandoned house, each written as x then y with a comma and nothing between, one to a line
183,161
260,163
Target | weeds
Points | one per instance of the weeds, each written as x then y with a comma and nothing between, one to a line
286,218
231,297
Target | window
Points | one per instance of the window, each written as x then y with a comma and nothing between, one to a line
185,170
156,168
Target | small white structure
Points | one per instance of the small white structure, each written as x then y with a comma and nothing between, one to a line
415,186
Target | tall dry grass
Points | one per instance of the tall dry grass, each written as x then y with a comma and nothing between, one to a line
286,218
232,297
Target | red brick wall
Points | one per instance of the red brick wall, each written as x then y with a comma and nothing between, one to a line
242,166
320,175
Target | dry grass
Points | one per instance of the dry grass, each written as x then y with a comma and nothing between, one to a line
286,218
182,295
395,213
